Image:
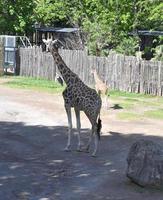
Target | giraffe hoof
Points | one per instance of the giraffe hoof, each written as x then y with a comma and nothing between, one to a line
78,150
67,149
86,150
93,155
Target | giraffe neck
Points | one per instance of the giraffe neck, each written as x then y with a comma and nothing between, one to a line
96,77
62,67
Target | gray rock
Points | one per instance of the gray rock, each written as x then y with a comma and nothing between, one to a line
145,163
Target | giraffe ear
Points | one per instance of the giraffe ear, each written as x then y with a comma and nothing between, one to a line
55,41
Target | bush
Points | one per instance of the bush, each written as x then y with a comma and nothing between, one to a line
158,55
128,46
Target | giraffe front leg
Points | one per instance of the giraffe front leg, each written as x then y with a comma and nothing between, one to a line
68,111
89,141
78,125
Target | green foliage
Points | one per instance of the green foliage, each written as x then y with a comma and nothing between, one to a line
49,12
158,55
148,14
16,16
106,23
128,46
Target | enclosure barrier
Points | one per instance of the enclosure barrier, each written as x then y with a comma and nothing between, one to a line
1,59
119,72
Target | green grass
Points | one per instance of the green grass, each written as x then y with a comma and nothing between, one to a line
117,93
129,116
135,98
126,105
34,84
155,114
149,106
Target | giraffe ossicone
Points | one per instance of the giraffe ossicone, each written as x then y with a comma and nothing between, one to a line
79,96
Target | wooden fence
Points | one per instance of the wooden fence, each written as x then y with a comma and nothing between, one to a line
1,59
125,73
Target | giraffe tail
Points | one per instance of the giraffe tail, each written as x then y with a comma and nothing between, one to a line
99,126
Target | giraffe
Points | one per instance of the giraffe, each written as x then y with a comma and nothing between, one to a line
79,96
101,87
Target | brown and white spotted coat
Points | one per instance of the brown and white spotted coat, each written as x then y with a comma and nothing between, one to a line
79,96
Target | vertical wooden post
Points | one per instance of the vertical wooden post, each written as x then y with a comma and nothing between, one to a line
17,55
1,59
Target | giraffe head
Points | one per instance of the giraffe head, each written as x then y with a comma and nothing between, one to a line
93,70
51,45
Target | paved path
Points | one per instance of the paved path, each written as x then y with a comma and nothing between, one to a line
34,167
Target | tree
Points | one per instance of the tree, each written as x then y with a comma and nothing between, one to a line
51,12
106,23
16,16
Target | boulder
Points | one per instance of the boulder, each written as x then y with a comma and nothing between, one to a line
145,163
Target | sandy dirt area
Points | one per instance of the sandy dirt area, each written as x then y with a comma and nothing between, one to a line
33,165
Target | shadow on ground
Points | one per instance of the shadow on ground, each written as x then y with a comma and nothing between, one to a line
116,107
33,166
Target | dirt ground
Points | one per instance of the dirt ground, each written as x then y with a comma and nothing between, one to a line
33,165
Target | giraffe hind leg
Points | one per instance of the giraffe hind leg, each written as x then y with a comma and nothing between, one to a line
89,141
93,133
97,129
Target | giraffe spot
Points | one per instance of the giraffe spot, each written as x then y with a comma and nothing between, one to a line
70,88
75,95
91,98
70,97
62,67
67,101
77,100
76,80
